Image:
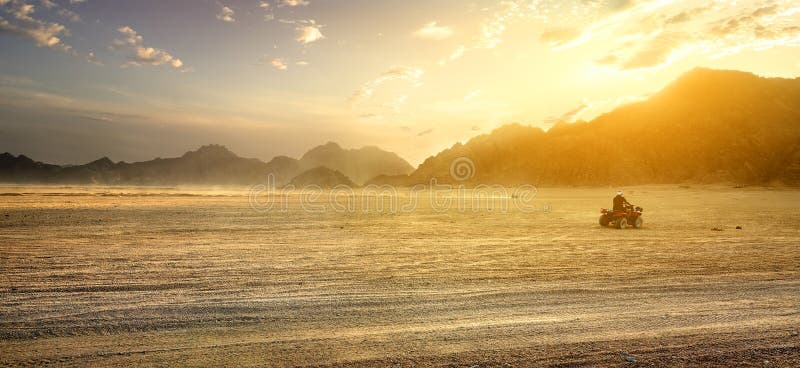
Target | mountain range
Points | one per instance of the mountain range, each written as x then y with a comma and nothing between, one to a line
210,165
708,126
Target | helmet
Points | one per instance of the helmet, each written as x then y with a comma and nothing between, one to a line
619,192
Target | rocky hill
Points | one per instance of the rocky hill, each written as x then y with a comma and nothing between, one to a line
322,177
708,126
359,164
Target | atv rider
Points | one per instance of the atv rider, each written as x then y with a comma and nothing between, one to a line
620,203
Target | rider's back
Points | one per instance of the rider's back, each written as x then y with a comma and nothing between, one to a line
619,203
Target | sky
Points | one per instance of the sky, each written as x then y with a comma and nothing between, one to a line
135,80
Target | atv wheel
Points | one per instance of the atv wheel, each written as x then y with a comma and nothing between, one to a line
622,223
638,223
604,221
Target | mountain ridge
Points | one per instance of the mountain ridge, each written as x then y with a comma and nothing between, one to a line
210,164
707,126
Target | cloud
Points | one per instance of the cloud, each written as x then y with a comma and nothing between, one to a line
369,115
43,34
609,59
143,55
279,64
404,73
572,114
154,56
226,14
743,22
131,37
493,27
560,36
92,59
686,15
639,38
268,15
619,5
456,54
77,1
761,28
588,109
654,53
293,3
425,132
434,32
23,24
69,14
764,11
23,11
308,31
614,17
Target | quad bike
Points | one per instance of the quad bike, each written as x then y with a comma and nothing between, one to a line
621,219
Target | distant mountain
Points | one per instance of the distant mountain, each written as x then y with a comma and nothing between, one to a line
22,168
208,165
359,164
323,177
708,126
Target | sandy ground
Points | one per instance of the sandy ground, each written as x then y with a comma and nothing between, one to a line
167,277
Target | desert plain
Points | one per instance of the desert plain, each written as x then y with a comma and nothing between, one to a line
118,276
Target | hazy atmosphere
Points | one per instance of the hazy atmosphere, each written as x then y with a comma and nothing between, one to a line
134,80
368,183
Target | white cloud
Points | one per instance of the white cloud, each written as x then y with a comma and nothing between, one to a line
293,3
143,55
308,31
433,31
279,64
226,14
131,37
23,11
23,24
154,56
